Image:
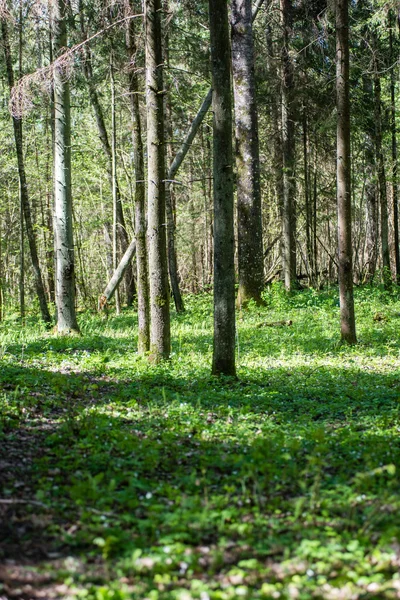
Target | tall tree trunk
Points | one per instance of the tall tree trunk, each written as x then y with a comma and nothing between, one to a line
347,318
140,204
224,267
371,207
276,114
395,187
63,227
288,144
22,308
308,202
114,184
250,250
24,196
380,163
158,266
169,201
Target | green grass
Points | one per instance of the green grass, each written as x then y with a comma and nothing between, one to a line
162,482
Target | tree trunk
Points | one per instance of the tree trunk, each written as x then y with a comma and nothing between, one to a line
395,188
276,114
24,197
140,208
371,208
158,266
308,203
63,228
250,252
114,185
380,163
224,268
347,318
171,246
288,144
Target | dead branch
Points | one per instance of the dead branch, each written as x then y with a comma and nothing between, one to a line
42,80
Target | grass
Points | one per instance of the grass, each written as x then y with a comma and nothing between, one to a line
124,480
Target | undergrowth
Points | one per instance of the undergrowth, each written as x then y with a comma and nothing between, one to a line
125,480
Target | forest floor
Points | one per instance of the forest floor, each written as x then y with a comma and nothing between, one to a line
124,480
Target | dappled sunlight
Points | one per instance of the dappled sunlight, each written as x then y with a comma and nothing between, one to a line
156,481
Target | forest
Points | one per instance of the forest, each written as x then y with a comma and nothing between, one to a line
199,300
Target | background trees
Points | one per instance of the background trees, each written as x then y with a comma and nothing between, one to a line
291,96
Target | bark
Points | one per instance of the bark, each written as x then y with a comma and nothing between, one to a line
24,196
63,228
250,251
371,206
169,202
395,188
288,145
158,266
114,185
276,114
380,163
140,204
347,318
308,205
117,276
224,272
22,310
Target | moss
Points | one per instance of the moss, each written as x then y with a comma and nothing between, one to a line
160,301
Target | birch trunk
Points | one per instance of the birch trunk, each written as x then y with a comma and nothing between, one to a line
250,251
158,266
224,268
63,229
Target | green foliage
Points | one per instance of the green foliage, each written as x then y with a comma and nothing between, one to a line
165,483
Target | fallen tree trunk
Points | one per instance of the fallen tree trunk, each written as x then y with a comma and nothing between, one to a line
117,276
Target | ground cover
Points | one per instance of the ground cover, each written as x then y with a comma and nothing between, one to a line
125,480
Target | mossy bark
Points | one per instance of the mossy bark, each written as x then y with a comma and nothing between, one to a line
249,221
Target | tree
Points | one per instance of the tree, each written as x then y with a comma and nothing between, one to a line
250,247
25,204
343,180
288,144
158,267
140,191
224,269
63,229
